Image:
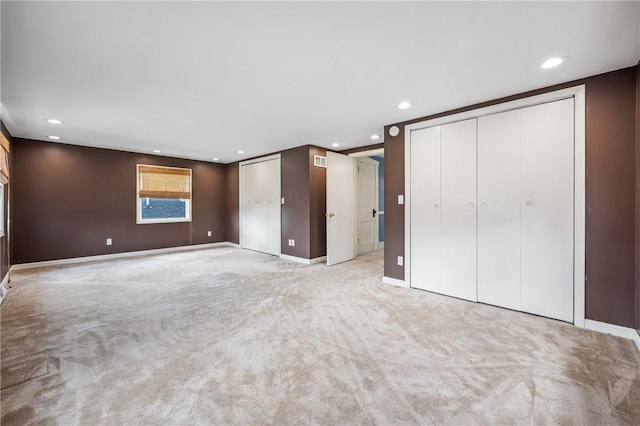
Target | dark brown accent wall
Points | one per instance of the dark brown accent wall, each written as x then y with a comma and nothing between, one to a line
295,185
611,193
303,187
5,260
232,180
67,200
318,205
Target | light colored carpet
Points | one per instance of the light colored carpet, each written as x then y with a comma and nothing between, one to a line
226,336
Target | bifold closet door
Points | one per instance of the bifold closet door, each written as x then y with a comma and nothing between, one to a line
547,209
525,216
458,209
443,209
425,209
260,206
499,209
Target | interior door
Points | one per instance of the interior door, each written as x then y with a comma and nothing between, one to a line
367,204
547,210
458,210
341,201
260,206
499,209
425,209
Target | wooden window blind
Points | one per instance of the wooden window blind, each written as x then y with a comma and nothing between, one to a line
163,182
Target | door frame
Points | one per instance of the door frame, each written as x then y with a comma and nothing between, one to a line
579,193
253,161
370,153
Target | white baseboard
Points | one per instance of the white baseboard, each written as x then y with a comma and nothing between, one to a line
395,281
303,260
3,287
84,259
616,330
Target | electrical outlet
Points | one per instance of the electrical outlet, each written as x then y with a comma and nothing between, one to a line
293,243
208,233
109,241
282,200
400,261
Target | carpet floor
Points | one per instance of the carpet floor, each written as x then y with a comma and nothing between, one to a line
228,336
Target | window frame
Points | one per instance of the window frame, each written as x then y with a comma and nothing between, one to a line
188,206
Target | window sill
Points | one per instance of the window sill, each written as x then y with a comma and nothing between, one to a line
152,221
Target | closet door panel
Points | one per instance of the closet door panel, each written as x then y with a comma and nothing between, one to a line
458,209
499,209
547,210
425,209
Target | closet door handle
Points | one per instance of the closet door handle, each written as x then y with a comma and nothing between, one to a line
483,203
472,203
436,205
528,202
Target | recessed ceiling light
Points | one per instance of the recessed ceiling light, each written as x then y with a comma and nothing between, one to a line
241,152
335,144
375,137
404,105
215,159
157,151
55,138
54,121
553,62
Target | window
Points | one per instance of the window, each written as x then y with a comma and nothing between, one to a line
164,194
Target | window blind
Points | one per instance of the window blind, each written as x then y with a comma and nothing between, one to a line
164,182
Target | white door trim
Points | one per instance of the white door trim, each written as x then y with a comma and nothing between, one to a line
579,249
253,161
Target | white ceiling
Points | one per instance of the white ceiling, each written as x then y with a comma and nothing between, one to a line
205,79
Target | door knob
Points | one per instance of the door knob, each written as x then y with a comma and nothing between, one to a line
374,212
528,201
436,205
329,215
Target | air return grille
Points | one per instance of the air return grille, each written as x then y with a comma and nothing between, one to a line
320,161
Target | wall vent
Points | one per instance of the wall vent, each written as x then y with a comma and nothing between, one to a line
320,161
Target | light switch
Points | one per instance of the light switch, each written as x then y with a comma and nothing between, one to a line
400,261
208,233
109,241
400,199
282,200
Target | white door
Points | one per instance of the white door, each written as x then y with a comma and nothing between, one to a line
260,206
546,207
499,209
341,202
367,204
425,209
458,209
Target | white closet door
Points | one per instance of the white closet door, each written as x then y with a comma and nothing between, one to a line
458,210
499,209
260,206
425,209
547,210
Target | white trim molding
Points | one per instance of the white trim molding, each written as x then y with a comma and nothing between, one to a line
369,153
84,259
395,281
3,287
578,93
320,259
615,330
